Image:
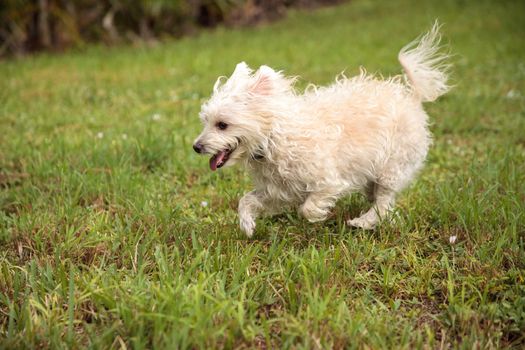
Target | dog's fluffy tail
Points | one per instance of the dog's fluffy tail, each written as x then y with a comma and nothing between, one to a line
425,67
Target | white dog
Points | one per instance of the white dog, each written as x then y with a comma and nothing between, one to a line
306,151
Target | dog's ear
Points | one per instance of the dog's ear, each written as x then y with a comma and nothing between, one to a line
241,70
218,83
265,81
239,78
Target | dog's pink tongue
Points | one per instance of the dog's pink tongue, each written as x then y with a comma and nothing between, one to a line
216,159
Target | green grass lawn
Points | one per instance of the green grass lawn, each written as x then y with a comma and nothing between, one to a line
114,233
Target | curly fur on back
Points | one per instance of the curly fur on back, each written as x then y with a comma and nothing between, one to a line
307,150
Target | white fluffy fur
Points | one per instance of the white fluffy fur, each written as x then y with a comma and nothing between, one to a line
360,134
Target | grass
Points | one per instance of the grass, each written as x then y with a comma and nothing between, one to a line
115,234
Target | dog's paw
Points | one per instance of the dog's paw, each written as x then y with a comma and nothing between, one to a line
362,222
312,213
247,225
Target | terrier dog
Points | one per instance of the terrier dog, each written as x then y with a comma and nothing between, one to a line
305,151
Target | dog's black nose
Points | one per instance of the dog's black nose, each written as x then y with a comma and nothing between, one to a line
198,147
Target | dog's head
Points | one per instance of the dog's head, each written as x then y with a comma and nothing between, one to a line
238,117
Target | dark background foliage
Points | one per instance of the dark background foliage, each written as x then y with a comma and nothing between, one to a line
32,25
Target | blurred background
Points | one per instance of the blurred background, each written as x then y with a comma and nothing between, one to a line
28,26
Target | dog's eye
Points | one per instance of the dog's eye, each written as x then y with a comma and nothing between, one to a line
222,125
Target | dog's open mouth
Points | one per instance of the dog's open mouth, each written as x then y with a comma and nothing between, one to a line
220,158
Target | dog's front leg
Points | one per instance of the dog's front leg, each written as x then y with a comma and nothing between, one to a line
317,206
249,208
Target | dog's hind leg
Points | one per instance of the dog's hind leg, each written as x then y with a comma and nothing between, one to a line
384,202
392,180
